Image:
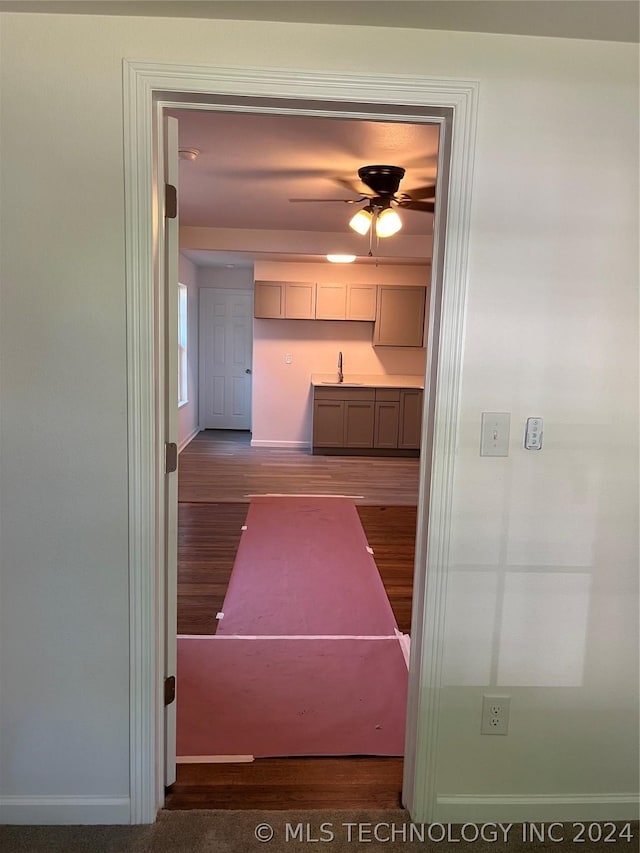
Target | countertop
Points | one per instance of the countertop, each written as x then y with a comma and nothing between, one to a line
368,380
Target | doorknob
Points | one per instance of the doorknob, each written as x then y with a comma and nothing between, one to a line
248,370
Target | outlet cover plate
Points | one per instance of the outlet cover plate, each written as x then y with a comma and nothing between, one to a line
495,714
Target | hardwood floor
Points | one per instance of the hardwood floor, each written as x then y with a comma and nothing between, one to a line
217,472
221,467
208,539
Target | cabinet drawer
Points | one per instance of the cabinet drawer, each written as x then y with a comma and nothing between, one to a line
335,393
388,395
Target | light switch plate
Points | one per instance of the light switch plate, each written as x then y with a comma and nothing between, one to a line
494,439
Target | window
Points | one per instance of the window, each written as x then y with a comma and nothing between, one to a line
183,395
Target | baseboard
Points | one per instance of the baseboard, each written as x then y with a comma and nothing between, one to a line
301,445
188,439
537,807
65,810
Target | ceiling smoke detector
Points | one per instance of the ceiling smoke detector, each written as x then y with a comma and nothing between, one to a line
188,153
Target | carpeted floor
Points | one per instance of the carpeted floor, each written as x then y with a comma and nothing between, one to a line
298,831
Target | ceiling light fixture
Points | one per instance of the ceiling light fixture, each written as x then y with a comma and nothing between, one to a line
361,221
341,259
387,221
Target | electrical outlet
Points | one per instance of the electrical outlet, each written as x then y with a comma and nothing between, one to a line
495,715
288,358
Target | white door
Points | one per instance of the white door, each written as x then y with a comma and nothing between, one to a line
226,347
170,503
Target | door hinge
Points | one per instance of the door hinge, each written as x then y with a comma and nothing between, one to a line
169,689
170,201
170,457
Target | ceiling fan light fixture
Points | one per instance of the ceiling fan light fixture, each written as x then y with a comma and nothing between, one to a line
361,221
341,259
388,223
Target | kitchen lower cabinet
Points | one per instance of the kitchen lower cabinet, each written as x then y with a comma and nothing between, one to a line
359,416
387,419
328,423
366,421
343,417
410,425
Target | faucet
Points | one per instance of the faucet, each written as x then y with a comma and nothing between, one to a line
340,373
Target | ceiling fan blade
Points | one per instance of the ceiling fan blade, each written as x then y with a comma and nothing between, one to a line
424,206
344,200
420,192
350,186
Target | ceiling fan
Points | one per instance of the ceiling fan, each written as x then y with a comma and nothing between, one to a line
384,182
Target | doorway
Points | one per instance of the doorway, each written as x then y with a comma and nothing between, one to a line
266,160
442,101
225,343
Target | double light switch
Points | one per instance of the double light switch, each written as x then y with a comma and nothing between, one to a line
494,440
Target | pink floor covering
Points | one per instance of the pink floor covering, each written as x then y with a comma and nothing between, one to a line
305,661
303,568
290,697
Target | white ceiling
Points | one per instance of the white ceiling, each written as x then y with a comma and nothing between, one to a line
609,20
250,165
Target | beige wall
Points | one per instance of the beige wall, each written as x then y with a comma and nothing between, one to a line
551,330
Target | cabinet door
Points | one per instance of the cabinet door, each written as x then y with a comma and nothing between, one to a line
399,316
361,302
386,424
269,300
331,301
358,423
410,419
328,423
300,300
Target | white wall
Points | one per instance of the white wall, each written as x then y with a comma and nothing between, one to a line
188,414
551,330
220,277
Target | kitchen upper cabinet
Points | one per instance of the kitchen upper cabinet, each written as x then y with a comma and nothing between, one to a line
399,316
304,300
268,300
345,301
290,300
361,301
300,300
331,301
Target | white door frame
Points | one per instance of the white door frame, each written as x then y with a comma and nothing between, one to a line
147,86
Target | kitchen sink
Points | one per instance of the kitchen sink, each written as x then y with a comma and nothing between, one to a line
341,384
